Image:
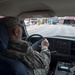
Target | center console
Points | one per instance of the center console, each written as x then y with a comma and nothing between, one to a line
64,68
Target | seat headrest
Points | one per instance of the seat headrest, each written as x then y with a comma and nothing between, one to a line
3,37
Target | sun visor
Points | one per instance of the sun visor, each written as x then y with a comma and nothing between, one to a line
37,14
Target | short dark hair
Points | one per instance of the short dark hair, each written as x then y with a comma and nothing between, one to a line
10,21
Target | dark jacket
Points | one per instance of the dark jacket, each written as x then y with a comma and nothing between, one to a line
37,63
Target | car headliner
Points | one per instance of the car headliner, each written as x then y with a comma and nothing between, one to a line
26,8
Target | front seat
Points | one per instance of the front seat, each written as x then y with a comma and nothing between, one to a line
9,66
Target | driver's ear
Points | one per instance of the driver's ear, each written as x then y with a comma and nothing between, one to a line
15,32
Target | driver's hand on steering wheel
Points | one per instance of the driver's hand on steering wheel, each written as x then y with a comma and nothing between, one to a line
45,43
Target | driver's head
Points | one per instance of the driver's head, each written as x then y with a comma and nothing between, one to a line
14,27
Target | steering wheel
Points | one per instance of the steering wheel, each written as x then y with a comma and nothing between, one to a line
36,45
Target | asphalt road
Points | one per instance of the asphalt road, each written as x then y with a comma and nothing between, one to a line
54,30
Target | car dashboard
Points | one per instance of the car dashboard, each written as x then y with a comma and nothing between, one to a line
65,49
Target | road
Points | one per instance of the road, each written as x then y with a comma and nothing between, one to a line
54,30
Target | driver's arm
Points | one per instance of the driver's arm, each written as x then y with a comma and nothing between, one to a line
43,58
45,55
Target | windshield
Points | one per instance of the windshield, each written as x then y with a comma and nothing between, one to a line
50,27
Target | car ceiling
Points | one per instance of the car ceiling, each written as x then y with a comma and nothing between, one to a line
23,8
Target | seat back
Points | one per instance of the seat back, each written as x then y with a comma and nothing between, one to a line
3,38
12,67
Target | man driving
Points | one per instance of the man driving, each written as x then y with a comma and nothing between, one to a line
37,63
